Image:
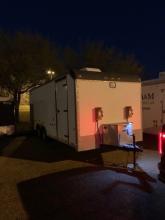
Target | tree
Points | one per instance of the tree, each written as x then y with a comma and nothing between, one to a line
96,54
24,59
121,64
71,58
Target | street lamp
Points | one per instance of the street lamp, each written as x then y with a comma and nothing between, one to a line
50,73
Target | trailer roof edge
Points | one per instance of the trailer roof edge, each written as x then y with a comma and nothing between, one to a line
91,75
153,82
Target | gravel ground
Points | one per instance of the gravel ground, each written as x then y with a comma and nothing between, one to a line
49,181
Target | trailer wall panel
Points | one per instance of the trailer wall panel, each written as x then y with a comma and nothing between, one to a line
62,110
93,93
153,99
43,101
72,111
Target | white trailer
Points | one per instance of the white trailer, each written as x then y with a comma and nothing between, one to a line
153,104
68,109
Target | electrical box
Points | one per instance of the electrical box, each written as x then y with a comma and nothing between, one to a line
117,134
128,111
98,113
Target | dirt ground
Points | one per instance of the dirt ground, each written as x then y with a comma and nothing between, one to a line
47,180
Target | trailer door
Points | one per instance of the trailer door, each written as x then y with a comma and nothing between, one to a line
62,110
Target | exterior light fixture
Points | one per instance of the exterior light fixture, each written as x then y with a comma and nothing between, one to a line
50,73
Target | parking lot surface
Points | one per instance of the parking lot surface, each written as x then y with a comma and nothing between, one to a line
48,180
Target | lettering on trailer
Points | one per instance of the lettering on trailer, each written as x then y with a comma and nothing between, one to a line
148,98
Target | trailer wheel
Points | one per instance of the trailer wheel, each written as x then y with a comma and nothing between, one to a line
38,131
43,134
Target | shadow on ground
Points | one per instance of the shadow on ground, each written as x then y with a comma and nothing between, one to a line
4,141
88,193
93,192
32,148
150,141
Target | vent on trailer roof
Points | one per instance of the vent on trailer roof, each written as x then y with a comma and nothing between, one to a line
90,69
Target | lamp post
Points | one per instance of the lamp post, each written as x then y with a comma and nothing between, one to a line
50,73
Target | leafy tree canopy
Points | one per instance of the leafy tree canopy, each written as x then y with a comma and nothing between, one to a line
24,60
96,54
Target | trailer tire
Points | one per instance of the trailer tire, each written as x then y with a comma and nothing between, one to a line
43,134
38,131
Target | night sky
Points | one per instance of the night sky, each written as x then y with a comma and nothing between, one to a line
137,29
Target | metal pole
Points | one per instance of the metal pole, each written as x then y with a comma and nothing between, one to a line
100,141
134,151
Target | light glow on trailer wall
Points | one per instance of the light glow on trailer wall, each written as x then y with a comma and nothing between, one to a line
161,140
95,93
